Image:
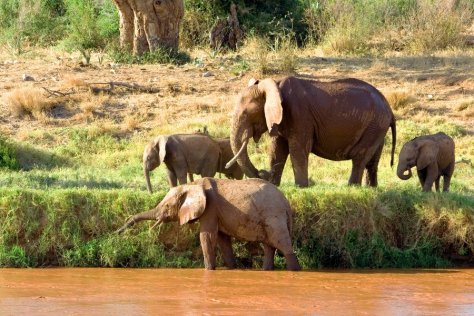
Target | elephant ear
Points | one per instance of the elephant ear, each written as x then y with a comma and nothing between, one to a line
427,154
162,144
193,203
273,108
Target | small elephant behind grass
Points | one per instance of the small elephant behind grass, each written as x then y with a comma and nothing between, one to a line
433,156
249,210
185,154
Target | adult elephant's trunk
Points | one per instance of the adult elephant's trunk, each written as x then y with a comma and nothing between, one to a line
148,215
147,178
239,138
401,172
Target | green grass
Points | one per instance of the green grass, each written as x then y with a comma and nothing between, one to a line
70,189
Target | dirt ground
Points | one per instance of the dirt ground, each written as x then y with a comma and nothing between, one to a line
437,85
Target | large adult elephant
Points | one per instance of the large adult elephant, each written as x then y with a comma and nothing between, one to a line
338,120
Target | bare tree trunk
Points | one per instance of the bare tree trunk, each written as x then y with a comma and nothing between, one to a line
149,24
126,24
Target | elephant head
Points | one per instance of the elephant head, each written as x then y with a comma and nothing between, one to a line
153,155
418,152
259,109
184,204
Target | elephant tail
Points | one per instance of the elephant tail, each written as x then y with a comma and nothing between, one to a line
289,220
393,126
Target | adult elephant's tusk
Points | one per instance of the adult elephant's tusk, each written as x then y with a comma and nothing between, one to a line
233,160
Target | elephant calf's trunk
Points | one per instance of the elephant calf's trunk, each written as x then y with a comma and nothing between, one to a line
128,224
148,215
401,174
147,178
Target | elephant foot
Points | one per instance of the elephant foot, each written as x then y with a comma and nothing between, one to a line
292,263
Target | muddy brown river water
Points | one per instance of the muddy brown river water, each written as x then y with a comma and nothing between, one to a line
222,292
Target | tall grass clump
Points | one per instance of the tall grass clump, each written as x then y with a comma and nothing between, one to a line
258,50
27,101
436,25
361,27
286,51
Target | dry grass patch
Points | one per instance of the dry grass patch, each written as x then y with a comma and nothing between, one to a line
438,25
286,51
258,49
28,101
399,99
130,123
465,106
74,82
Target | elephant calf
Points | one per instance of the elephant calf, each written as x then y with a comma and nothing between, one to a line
251,210
188,153
433,156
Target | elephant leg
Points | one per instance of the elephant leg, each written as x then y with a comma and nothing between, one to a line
225,245
280,239
278,155
422,176
357,172
437,183
299,158
182,177
172,180
190,176
208,245
446,183
372,167
268,257
447,177
209,171
431,175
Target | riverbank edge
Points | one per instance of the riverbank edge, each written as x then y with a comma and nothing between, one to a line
344,227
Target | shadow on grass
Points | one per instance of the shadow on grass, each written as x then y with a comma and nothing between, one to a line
33,158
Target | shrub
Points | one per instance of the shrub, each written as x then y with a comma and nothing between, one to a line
27,22
437,25
83,32
8,157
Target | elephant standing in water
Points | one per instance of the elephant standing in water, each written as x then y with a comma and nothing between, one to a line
433,156
188,153
251,210
338,120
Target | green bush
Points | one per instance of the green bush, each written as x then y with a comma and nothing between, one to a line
83,31
27,22
8,157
